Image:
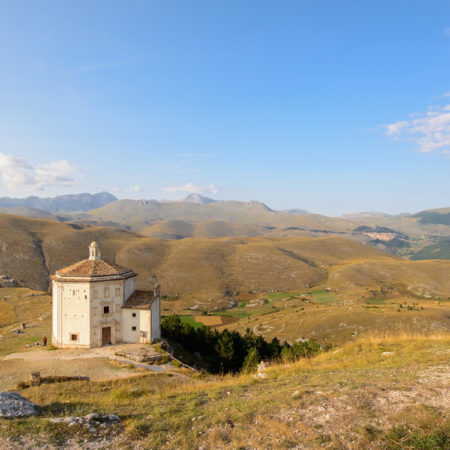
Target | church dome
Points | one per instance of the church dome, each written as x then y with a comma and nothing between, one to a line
93,269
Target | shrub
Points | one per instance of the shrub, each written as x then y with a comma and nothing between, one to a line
228,351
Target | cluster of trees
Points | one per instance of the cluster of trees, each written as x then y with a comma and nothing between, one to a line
230,351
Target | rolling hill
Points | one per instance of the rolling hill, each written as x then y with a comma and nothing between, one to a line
415,236
209,271
215,219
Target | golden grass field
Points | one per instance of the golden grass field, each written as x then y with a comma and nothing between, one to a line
382,391
219,275
23,305
327,319
207,273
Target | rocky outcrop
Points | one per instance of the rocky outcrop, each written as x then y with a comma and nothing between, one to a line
91,421
13,405
6,282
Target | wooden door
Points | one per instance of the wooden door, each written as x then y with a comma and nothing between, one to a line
106,335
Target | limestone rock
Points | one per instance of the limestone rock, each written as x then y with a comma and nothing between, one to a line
13,405
90,421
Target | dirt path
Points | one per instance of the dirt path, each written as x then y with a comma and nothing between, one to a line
97,363
68,354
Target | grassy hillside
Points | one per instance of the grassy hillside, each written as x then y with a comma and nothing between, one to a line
439,249
178,220
18,306
434,216
328,318
386,392
210,273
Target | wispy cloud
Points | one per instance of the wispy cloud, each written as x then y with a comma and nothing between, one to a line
191,188
430,131
101,66
135,188
17,174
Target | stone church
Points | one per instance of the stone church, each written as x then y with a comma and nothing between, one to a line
96,303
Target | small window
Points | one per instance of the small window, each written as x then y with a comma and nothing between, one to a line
106,291
95,293
85,297
117,292
133,314
73,292
74,337
106,310
133,328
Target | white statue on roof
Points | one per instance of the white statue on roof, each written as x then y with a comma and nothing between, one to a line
96,303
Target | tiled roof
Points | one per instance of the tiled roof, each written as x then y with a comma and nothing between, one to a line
139,300
91,268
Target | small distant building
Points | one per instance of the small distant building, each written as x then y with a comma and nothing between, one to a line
96,303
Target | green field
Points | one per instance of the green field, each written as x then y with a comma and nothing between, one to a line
322,296
375,301
190,320
281,295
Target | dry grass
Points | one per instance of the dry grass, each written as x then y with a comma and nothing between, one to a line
351,396
22,305
209,320
204,272
332,320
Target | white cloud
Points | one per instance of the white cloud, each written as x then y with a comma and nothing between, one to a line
17,174
135,188
191,188
429,131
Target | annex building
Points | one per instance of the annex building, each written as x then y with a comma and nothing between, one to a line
96,303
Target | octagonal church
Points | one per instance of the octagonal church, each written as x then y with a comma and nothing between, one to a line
96,303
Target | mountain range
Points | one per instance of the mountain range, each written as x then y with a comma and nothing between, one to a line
422,235
61,203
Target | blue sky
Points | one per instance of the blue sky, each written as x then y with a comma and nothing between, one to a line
329,106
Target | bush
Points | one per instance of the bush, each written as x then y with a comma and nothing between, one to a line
251,361
229,351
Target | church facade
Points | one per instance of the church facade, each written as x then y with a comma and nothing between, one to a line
96,303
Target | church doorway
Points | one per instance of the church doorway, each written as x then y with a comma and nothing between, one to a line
106,336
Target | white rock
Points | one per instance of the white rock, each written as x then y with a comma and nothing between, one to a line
14,405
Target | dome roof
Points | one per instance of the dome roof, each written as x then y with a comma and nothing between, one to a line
94,268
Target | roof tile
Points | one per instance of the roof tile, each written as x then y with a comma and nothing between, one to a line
140,300
93,268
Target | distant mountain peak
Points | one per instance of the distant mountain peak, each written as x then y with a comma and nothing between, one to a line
62,203
198,199
257,204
